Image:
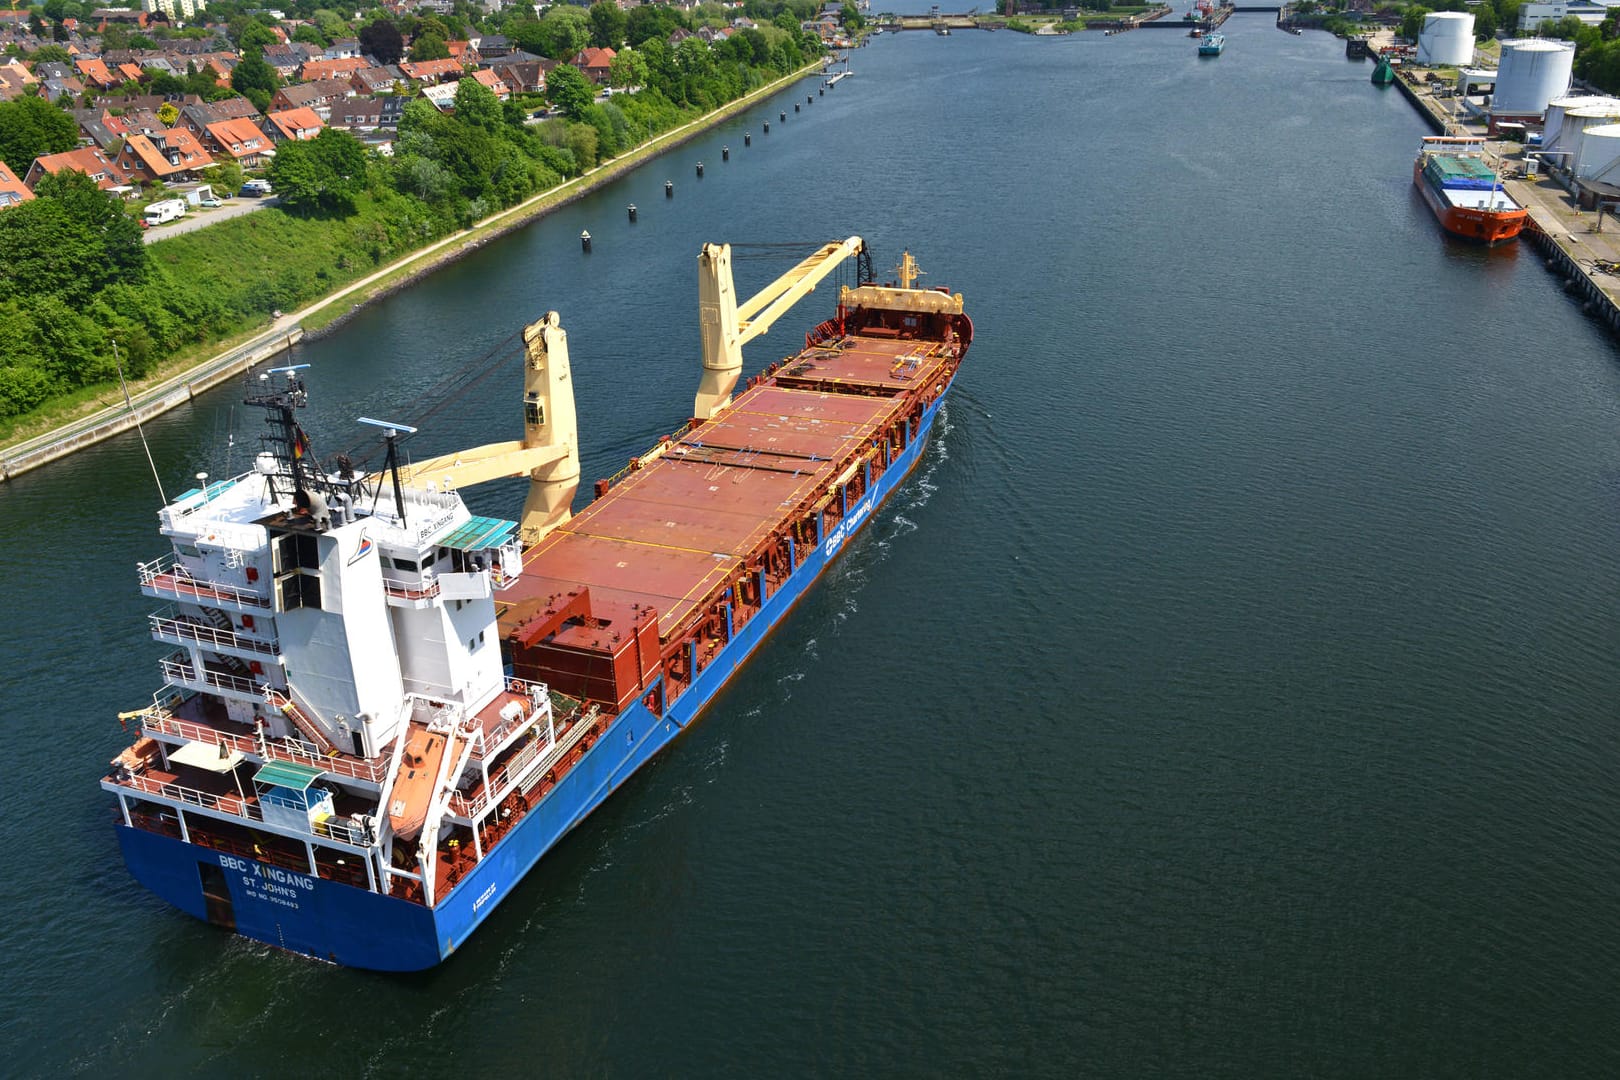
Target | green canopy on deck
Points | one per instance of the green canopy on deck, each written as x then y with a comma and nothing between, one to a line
288,775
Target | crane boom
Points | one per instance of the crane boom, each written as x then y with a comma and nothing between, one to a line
548,451
728,326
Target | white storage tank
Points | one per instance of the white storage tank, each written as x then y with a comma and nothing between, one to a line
1566,148
1447,38
1534,72
1600,152
1557,110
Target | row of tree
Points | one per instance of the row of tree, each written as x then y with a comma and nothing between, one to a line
79,278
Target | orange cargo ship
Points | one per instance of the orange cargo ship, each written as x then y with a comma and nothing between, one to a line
1464,192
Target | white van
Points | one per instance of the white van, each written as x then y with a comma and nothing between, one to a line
256,187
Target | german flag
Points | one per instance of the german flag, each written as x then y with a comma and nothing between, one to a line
300,443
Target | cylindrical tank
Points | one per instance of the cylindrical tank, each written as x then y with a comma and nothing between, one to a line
1600,151
1557,110
1447,38
1533,73
1572,131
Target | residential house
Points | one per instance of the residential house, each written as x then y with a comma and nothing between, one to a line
12,190
363,115
595,63
488,78
432,71
463,52
103,17
94,73
297,124
89,160
343,49
93,127
16,80
524,77
492,46
54,69
287,59
166,156
442,95
238,140
57,89
316,95
315,70
376,80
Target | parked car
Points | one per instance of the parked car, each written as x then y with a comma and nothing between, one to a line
209,202
256,187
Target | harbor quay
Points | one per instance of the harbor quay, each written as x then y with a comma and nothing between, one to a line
1578,242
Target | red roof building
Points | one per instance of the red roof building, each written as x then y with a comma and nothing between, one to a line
297,124
12,190
88,160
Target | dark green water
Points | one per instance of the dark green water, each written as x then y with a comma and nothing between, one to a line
1231,693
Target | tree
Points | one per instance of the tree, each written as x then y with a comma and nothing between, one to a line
651,21
31,126
628,69
566,30
476,105
168,114
608,25
382,40
123,254
429,47
255,79
569,90
327,174
50,53
310,35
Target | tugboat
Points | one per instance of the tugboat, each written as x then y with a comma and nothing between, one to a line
1212,44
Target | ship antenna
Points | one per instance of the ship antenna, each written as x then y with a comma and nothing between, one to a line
391,432
130,405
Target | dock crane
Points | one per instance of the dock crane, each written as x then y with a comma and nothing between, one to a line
549,449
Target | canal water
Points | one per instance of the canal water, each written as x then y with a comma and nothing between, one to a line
1231,692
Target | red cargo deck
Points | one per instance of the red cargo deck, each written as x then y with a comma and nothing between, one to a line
696,533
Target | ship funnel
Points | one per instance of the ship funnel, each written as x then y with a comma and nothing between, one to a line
549,421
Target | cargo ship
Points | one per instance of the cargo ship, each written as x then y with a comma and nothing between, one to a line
382,709
1464,191
1212,44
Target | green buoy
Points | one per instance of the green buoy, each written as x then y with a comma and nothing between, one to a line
1383,74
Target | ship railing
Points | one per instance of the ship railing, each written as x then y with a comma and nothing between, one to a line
303,753
170,625
161,722
538,696
341,830
426,590
524,769
233,804
177,668
168,576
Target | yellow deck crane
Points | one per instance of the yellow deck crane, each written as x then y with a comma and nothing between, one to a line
549,449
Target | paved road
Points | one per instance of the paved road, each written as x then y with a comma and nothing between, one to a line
201,218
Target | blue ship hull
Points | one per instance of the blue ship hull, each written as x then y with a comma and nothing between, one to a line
356,928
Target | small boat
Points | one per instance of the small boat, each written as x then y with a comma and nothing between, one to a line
1212,44
1383,74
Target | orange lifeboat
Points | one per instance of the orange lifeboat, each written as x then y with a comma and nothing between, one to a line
419,769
